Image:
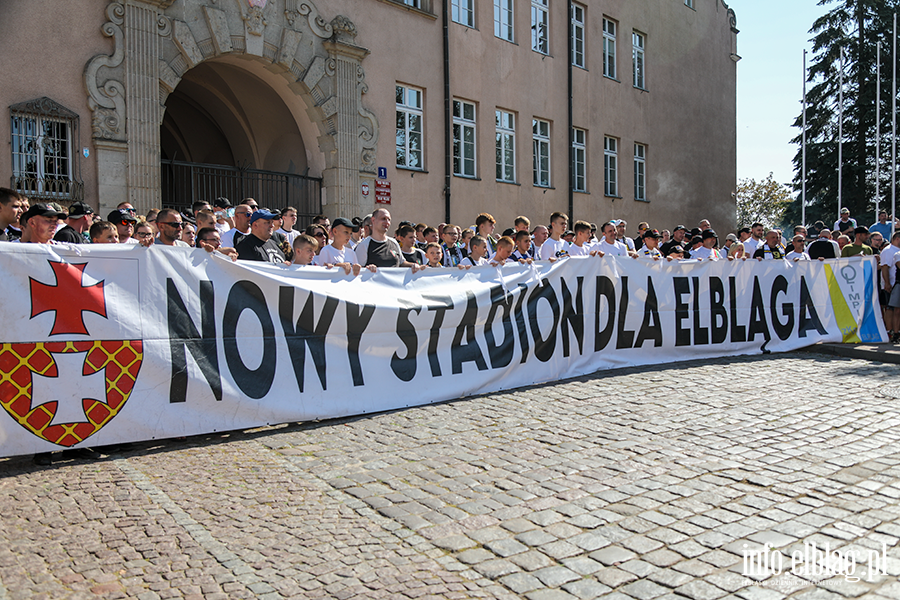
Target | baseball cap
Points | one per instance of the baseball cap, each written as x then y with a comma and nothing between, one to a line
79,209
346,223
845,211
262,214
42,209
651,233
679,228
120,214
222,203
709,233
731,237
861,229
744,230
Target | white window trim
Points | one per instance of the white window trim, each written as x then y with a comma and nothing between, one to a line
504,9
578,34
463,12
638,59
579,158
611,166
463,124
540,26
640,172
610,28
540,137
689,3
408,110
502,134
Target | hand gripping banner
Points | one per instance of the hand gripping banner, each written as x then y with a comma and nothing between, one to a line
108,344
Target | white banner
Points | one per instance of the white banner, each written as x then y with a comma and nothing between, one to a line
108,344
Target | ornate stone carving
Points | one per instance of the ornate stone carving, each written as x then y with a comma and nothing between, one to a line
368,130
732,17
294,9
344,29
107,99
256,22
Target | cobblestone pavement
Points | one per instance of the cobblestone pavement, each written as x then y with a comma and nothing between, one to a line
632,484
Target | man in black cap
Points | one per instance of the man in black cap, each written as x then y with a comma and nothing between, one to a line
707,251
39,224
677,240
124,220
258,245
650,244
860,237
78,223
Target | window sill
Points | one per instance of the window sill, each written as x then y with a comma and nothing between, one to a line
612,197
641,89
508,182
543,54
412,9
644,200
469,177
544,187
583,68
585,192
497,37
611,78
412,170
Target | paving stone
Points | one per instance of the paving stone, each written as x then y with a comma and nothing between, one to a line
700,590
505,547
612,554
556,576
587,589
521,583
644,590
613,577
536,537
531,560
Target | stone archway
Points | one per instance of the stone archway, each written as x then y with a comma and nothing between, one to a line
158,41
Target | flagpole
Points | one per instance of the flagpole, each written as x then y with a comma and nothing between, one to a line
894,133
840,173
877,130
803,175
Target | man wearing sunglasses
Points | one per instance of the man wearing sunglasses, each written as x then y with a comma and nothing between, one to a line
242,214
124,220
259,244
170,225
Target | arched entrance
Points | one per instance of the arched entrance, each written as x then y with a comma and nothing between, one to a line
226,131
311,69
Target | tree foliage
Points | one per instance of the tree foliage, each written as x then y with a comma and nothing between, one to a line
854,27
761,202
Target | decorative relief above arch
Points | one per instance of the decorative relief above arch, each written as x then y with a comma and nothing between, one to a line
294,9
107,99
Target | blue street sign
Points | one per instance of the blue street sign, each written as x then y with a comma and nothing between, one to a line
382,172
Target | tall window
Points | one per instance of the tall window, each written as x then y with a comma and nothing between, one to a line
413,3
463,138
539,26
640,172
503,19
577,35
609,48
540,137
506,146
638,41
409,127
611,165
43,140
463,12
689,3
579,156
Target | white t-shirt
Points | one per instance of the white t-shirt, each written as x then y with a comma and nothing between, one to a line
583,250
222,228
703,253
750,246
290,236
629,243
228,237
469,262
554,249
793,254
331,256
887,259
616,248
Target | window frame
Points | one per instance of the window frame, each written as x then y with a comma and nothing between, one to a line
610,28
540,147
689,4
640,172
504,8
638,59
579,159
576,26
540,26
461,123
505,145
410,110
457,10
611,166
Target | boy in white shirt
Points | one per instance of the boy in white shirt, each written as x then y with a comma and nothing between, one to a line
505,246
581,245
338,253
476,254
556,247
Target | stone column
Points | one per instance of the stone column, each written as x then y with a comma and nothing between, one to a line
342,180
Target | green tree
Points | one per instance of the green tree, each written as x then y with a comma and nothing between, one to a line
854,27
761,201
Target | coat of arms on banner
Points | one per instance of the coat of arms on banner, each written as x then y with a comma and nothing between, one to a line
23,365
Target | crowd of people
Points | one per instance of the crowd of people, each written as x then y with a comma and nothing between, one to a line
248,232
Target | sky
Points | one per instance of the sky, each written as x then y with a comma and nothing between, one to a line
773,35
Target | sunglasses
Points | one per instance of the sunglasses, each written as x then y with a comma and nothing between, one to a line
143,234
174,224
320,234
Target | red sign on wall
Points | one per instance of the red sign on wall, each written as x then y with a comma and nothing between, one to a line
382,192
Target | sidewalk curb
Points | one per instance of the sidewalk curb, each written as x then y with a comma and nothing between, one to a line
886,353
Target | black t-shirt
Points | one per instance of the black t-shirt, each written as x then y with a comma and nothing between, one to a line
12,234
252,248
821,249
68,235
416,256
843,226
381,254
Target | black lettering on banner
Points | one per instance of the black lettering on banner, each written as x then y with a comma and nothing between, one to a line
738,332
470,351
809,318
543,347
500,354
358,319
651,328
444,303
519,314
718,315
305,333
757,315
682,334
605,289
184,337
624,337
782,330
701,334
405,368
255,383
573,317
